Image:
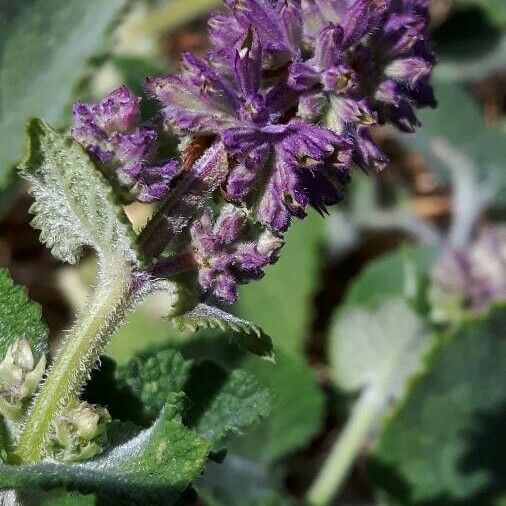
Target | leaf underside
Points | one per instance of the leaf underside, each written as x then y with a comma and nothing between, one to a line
379,348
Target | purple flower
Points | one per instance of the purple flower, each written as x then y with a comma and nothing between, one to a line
227,252
274,163
370,65
477,275
293,90
272,120
110,132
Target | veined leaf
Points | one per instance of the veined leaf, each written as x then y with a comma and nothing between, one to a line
152,379
217,402
19,317
222,403
74,206
247,473
444,444
153,468
247,334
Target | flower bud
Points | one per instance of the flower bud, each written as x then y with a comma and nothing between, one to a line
79,433
19,377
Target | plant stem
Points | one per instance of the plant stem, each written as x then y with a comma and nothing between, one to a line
77,356
335,470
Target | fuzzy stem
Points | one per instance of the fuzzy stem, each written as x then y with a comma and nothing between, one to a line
76,357
345,450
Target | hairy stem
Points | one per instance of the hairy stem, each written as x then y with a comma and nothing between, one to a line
76,357
345,450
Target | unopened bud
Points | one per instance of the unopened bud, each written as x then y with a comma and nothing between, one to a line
79,433
19,378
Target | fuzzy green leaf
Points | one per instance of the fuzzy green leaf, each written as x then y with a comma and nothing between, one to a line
247,473
444,445
379,348
74,205
19,317
153,468
222,403
245,333
218,402
297,409
44,48
51,498
151,379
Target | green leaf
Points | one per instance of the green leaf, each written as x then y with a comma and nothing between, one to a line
53,498
218,402
151,379
152,468
378,349
44,47
252,465
290,424
245,333
495,9
297,409
74,206
444,445
223,402
396,274
282,302
19,317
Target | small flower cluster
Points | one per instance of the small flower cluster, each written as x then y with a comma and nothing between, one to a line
290,89
111,133
475,277
225,256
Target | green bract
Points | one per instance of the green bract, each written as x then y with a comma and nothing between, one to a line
74,205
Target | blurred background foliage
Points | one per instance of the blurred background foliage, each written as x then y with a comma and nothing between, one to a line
443,443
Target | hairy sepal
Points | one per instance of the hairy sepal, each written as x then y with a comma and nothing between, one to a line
186,200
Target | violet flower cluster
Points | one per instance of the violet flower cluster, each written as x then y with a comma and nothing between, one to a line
476,276
290,89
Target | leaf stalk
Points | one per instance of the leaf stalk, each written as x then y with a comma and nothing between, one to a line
335,470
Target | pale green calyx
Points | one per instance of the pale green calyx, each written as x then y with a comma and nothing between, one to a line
79,433
19,378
